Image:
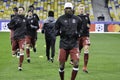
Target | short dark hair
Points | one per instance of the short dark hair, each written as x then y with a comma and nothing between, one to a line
22,7
50,14
15,9
31,6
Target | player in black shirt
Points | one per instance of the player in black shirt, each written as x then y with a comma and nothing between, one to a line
18,24
67,27
84,40
50,37
31,7
31,31
14,52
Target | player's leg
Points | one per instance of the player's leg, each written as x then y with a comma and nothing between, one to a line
80,41
18,51
86,57
33,44
28,44
74,54
62,59
21,46
14,47
52,49
28,52
61,70
86,45
48,49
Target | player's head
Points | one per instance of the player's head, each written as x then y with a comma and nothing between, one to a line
15,10
21,10
68,8
31,7
81,9
50,14
30,12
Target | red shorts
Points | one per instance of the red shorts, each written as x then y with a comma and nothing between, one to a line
30,40
83,41
63,54
18,44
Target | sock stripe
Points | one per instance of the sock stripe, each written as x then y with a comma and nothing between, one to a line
21,54
28,58
61,70
27,48
75,69
86,52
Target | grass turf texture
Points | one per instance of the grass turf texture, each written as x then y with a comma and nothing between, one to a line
103,64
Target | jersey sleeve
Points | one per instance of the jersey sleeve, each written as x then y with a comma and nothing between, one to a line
57,27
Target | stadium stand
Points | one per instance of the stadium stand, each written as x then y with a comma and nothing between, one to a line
42,6
99,9
93,7
114,9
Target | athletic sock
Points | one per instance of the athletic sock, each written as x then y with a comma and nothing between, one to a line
28,52
21,59
61,73
86,57
74,73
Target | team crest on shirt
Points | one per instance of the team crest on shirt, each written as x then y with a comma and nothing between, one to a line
31,21
65,21
73,21
23,20
86,18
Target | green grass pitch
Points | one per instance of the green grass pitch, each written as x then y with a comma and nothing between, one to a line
104,62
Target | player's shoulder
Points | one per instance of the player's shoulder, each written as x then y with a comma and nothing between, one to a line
61,16
77,17
12,15
45,21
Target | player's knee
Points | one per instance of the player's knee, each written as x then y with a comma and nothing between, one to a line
75,65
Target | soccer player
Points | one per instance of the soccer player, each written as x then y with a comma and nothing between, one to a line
18,24
50,37
31,7
31,31
15,52
68,27
84,40
15,10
